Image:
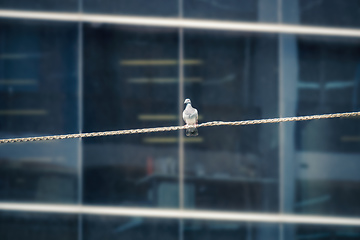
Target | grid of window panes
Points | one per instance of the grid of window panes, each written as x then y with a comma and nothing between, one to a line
69,77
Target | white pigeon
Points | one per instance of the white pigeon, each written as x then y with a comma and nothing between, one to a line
190,116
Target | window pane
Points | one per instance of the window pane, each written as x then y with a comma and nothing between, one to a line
330,13
131,81
39,96
39,171
235,167
163,8
40,5
327,152
235,10
34,226
321,232
214,230
152,228
130,228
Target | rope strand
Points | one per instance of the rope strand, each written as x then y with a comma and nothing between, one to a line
175,128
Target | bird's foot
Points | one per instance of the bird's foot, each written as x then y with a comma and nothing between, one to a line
192,132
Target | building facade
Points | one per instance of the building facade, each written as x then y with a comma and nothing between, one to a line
89,66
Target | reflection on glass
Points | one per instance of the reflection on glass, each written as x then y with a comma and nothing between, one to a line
33,226
38,96
40,5
38,78
232,168
135,228
213,230
160,8
322,232
328,151
39,171
151,228
131,81
330,13
234,10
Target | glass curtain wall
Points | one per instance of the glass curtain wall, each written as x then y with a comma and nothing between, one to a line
66,76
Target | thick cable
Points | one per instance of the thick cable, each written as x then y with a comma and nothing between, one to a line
176,128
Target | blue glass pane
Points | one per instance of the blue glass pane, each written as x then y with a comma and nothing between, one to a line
39,96
234,10
131,81
130,228
38,78
321,232
330,13
152,228
39,171
326,153
41,5
235,167
163,8
213,230
33,226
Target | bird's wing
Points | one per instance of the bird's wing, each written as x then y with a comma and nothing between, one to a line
196,115
190,113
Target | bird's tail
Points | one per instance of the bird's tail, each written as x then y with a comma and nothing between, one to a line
192,132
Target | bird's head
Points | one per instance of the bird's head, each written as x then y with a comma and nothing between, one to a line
187,101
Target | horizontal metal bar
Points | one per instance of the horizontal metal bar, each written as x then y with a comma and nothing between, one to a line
170,140
23,112
179,214
158,62
182,23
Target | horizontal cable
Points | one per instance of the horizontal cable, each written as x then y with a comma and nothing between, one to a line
179,214
182,23
175,128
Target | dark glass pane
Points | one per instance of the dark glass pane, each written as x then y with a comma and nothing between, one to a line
329,82
38,86
329,13
33,226
152,228
327,152
39,171
131,81
127,228
232,168
38,78
163,8
214,230
41,5
235,10
321,232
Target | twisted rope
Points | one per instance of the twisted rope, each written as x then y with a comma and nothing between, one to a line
175,128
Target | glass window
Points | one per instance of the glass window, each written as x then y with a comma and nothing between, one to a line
234,10
152,228
232,168
213,230
39,96
38,78
321,232
69,76
331,13
163,8
130,228
131,81
40,5
35,226
326,154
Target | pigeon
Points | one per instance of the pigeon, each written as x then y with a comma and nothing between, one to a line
190,116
